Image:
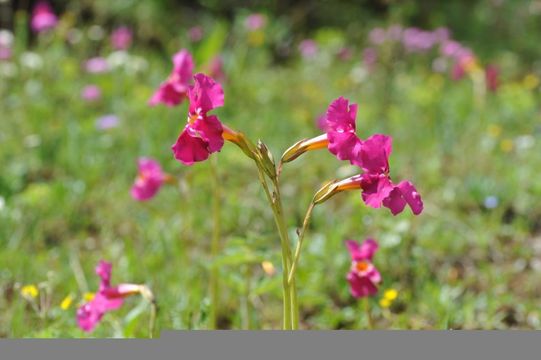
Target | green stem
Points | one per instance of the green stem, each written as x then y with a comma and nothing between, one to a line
284,237
368,313
299,243
215,245
273,201
152,320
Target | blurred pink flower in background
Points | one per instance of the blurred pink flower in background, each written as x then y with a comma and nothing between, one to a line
370,57
377,36
202,135
492,75
121,38
195,33
6,43
150,179
308,48
107,122
345,53
43,17
363,277
96,65
255,22
394,32
417,40
175,89
107,298
91,93
216,68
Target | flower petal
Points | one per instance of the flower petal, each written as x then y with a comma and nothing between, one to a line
375,152
189,149
210,128
360,286
375,188
206,94
341,116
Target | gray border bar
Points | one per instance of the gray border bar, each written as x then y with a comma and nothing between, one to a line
299,345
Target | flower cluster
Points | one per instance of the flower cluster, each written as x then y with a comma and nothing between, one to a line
370,155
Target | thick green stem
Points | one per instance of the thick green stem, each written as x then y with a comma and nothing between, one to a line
215,246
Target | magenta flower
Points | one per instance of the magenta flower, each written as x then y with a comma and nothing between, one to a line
150,179
43,17
175,89
342,140
255,22
202,135
107,298
121,38
308,48
363,277
91,93
371,155
96,65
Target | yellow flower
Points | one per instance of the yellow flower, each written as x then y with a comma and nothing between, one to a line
531,81
66,303
268,268
384,303
506,145
390,294
88,296
494,130
29,291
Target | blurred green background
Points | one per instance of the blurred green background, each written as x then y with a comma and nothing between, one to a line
472,260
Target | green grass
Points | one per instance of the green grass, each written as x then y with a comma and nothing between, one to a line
65,188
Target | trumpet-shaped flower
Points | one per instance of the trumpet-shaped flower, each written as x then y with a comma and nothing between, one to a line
150,179
202,135
175,89
363,277
107,298
43,17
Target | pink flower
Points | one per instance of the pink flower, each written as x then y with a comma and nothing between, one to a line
492,75
371,155
370,57
106,299
96,65
216,68
121,38
342,140
43,17
255,22
377,36
6,42
195,33
175,89
150,179
202,135
91,93
107,122
363,277
308,48
321,122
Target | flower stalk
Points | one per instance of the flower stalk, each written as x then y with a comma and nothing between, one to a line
215,245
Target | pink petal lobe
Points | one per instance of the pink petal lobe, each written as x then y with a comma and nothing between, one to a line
205,95
190,148
210,128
